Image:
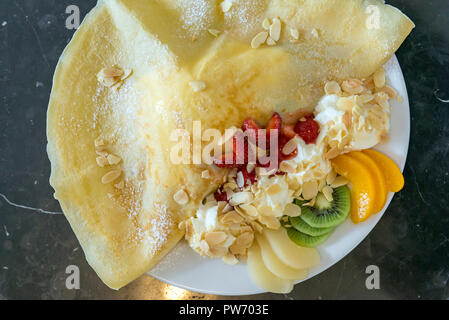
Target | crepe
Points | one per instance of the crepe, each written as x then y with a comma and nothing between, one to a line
125,232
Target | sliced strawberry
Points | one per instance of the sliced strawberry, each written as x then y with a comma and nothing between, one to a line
249,124
308,130
274,123
220,195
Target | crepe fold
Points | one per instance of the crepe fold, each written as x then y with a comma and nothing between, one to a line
125,232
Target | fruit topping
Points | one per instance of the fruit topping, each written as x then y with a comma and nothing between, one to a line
308,129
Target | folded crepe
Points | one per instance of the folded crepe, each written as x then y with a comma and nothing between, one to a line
125,231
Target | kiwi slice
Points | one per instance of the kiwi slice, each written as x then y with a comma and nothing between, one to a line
328,214
303,227
304,240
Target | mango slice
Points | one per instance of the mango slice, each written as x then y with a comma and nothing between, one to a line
363,192
378,176
262,276
290,253
275,265
393,175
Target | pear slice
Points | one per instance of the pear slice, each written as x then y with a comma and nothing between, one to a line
262,276
288,252
276,266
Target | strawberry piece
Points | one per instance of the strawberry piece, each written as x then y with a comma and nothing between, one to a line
308,130
249,124
274,123
220,195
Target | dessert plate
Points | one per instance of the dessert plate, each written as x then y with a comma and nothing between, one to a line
184,268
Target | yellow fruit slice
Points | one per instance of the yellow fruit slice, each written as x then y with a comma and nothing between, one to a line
363,192
262,276
290,253
275,265
378,176
393,175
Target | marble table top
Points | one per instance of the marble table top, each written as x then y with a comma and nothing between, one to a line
410,245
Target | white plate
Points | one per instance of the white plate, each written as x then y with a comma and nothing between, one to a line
183,268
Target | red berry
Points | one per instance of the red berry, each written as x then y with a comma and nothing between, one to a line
275,123
220,195
249,124
308,130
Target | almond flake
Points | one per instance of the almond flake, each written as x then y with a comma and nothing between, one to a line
231,217
259,39
113,160
274,189
230,259
338,182
101,161
328,191
99,143
197,85
290,146
389,91
294,33
287,167
270,222
240,179
292,210
266,24
249,209
205,174
331,177
309,190
345,104
215,238
275,29
181,197
241,198
353,86
214,32
111,176
332,87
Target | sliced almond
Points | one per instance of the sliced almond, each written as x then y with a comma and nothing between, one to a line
245,240
197,85
294,33
275,29
101,161
274,189
327,192
181,197
215,238
249,210
240,180
99,143
230,259
214,32
287,167
309,190
270,222
241,198
259,39
332,87
113,159
389,91
205,174
353,86
339,181
111,176
331,177
292,210
379,78
290,146
266,24
345,104
102,152
231,217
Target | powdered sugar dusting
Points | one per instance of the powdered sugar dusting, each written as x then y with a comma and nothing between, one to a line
196,15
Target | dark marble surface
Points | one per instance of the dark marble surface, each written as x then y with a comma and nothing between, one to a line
410,244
